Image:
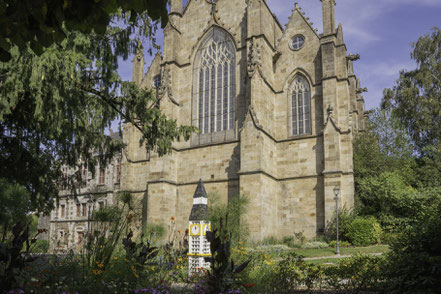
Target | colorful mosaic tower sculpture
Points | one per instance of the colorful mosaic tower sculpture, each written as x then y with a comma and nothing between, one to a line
199,224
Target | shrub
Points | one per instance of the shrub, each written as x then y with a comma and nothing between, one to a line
415,258
40,246
315,245
345,217
155,231
235,208
340,243
271,240
364,231
295,241
293,273
357,273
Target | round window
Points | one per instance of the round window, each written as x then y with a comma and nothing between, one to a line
297,42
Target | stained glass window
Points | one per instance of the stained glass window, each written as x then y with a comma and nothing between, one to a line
215,69
300,106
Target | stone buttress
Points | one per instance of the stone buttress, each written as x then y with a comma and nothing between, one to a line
230,68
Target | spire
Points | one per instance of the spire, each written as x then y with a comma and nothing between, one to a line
328,17
176,7
138,65
200,204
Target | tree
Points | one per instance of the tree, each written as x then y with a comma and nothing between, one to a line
55,107
416,102
42,23
416,98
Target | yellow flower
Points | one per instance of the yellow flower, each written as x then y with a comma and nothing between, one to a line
134,272
115,258
97,272
100,265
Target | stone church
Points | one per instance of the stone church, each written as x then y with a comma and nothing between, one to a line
276,107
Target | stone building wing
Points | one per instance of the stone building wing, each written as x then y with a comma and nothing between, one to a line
276,108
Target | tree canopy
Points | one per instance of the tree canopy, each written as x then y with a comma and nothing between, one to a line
55,107
416,98
41,23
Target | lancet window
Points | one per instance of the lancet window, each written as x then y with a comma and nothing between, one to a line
215,72
300,106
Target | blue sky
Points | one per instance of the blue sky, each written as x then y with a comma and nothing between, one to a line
381,31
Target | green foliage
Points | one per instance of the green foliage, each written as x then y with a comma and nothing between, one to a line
345,218
15,204
155,231
358,273
222,275
55,108
415,259
235,209
381,194
44,22
315,245
343,244
41,246
415,97
364,231
108,226
297,240
429,167
293,272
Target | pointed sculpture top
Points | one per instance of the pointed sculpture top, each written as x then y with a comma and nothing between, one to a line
199,210
200,190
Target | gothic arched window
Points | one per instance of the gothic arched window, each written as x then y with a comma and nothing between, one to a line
300,106
215,76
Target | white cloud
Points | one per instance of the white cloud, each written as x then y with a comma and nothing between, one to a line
380,75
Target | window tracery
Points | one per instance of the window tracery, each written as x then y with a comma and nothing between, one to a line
215,73
300,106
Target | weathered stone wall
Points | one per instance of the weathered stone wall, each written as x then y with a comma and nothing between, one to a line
288,179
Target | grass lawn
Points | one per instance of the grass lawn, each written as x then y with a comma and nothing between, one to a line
278,253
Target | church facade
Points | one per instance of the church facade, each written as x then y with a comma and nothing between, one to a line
276,108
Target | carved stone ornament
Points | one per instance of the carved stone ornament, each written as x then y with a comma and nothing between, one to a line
139,52
166,85
254,58
361,90
353,57
330,110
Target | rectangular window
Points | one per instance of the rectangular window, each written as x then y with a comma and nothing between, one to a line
80,237
102,177
84,209
80,240
78,209
63,210
100,205
118,170
84,175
